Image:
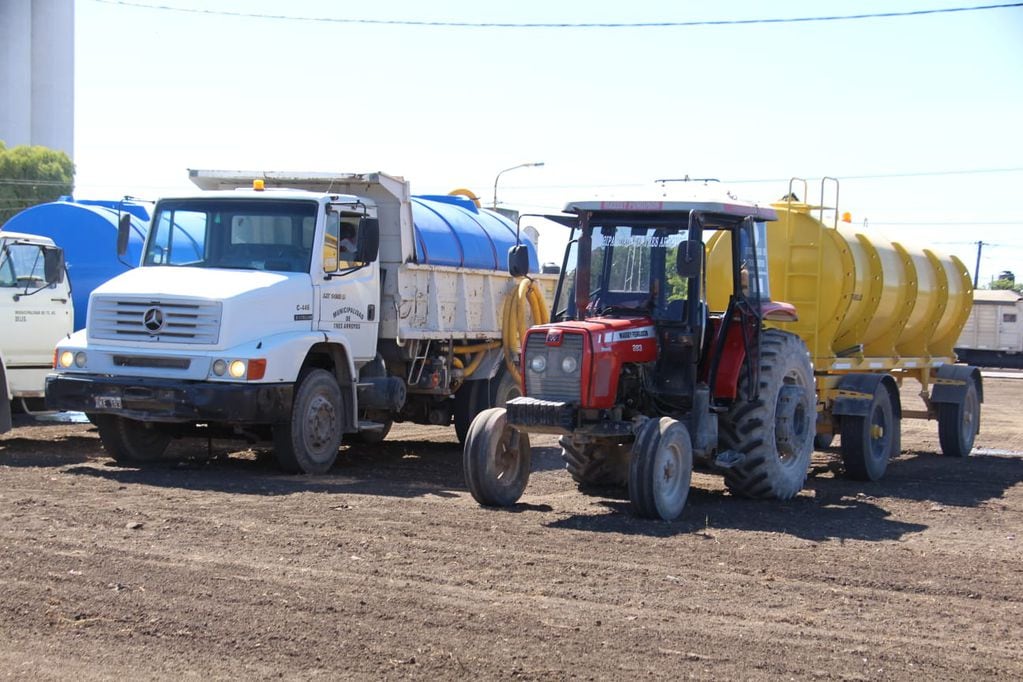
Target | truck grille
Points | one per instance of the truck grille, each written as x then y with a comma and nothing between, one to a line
149,320
553,383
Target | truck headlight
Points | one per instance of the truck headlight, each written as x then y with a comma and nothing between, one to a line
219,367
80,359
538,363
236,369
66,358
569,364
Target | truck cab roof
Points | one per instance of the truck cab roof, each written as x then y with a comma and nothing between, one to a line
23,237
732,208
267,194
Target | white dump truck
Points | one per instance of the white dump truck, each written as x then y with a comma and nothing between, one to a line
36,311
300,308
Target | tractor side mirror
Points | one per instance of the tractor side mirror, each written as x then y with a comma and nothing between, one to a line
689,261
368,247
518,260
123,232
53,265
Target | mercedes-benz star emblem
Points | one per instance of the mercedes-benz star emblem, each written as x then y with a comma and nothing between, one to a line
152,319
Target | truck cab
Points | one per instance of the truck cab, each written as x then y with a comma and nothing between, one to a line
36,310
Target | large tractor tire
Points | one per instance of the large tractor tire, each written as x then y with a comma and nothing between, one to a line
774,433
309,442
661,469
130,441
958,424
495,459
596,464
870,441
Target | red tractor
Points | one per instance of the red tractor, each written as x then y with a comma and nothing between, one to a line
641,379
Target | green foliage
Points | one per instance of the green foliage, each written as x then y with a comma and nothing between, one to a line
31,175
1008,285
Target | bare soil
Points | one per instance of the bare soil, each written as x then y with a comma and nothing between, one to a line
223,568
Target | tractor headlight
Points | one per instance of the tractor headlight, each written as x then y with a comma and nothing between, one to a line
538,363
569,364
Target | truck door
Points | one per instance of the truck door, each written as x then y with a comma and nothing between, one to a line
348,290
34,315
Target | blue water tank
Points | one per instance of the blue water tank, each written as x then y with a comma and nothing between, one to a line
87,231
452,230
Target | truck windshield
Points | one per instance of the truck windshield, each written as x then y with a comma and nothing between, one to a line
233,233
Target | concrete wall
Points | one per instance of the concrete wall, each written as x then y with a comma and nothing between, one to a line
37,73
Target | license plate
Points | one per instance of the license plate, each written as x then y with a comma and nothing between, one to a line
108,402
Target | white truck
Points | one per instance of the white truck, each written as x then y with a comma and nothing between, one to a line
36,310
299,308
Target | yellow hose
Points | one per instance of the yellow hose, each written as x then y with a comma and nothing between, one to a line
526,296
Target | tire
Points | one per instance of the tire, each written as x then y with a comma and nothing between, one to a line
129,441
958,424
596,464
308,444
775,432
475,396
495,459
869,442
661,469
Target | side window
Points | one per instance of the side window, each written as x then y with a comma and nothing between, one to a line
348,241
21,265
330,240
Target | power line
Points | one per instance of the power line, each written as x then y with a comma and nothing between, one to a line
492,24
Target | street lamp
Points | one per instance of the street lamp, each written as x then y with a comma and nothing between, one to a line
521,165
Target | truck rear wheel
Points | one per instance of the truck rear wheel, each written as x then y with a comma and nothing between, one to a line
308,444
774,433
475,396
958,424
495,459
661,469
129,441
596,464
869,441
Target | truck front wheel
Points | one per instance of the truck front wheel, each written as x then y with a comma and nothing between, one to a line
129,441
308,444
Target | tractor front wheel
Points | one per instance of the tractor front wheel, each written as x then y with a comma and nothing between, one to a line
661,469
495,459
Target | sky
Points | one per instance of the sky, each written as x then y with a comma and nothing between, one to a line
919,117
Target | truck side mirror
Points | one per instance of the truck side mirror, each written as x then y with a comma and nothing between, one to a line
123,232
53,265
518,260
368,247
689,260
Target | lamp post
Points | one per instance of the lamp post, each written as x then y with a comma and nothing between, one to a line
521,165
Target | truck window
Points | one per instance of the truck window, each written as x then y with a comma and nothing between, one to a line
21,265
340,242
229,233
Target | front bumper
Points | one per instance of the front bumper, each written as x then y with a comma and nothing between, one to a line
533,415
170,400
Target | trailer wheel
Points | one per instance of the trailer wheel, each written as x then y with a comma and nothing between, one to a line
774,433
130,441
661,469
309,442
495,459
596,464
958,424
869,441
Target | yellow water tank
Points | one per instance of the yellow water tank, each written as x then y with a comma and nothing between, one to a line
863,301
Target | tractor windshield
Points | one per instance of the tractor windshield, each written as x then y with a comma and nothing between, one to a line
632,271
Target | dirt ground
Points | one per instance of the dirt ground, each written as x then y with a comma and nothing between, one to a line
387,568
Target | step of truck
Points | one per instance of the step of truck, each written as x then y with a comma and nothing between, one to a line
371,426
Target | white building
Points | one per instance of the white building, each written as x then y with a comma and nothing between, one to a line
37,73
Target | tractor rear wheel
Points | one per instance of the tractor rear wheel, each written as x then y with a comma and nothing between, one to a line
871,440
596,464
773,433
661,469
958,424
495,459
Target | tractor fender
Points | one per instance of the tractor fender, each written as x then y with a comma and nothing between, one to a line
951,381
855,391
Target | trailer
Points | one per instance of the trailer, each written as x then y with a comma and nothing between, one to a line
993,335
298,309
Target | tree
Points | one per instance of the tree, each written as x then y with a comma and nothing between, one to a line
1007,283
31,175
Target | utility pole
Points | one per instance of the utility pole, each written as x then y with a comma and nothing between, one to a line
976,270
